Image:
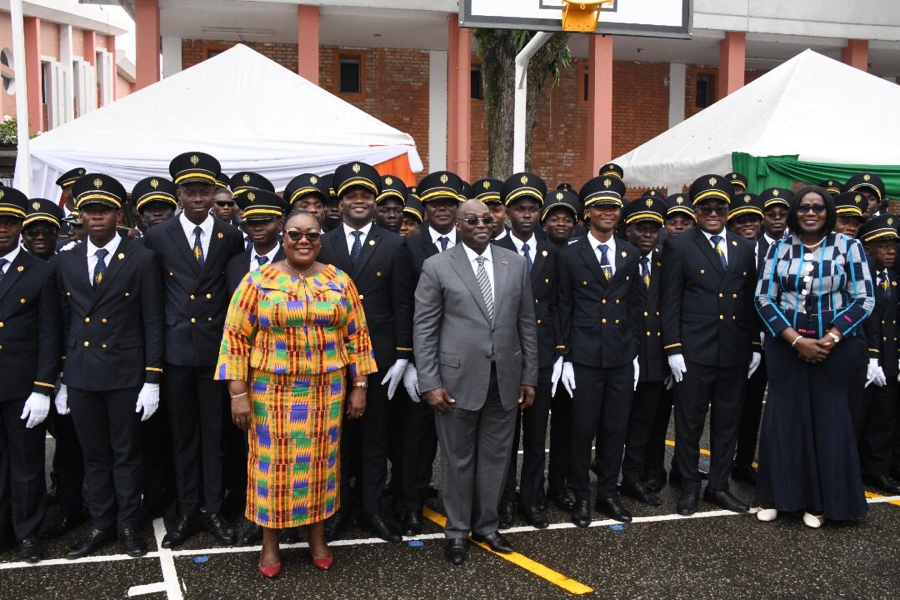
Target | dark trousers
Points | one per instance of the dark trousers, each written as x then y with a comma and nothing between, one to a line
531,428
156,456
474,455
194,401
874,420
23,491
368,438
234,454
68,461
600,408
751,415
396,428
643,413
419,451
720,389
107,427
559,463
655,455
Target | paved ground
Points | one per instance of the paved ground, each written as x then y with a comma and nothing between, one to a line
713,555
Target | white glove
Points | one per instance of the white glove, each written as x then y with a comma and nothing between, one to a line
637,371
676,363
755,359
62,400
411,382
394,376
568,378
148,400
554,377
37,407
875,374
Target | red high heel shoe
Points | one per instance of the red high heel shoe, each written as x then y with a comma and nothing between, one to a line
271,571
324,563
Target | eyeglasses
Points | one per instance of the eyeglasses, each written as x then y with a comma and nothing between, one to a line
802,209
296,236
224,203
473,221
706,209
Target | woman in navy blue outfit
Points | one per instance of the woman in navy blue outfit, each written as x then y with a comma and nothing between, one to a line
813,293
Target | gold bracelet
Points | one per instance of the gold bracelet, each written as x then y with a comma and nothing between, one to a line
361,384
797,339
238,395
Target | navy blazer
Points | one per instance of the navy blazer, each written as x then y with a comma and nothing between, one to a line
239,266
654,365
881,326
30,328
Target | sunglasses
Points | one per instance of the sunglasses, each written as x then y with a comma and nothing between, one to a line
745,219
296,236
38,232
472,221
224,203
805,208
706,209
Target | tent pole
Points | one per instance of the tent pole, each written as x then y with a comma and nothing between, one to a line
23,159
522,60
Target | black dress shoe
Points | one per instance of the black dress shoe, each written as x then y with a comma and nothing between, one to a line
291,535
536,517
724,500
495,541
612,507
412,523
581,513
65,525
745,474
383,529
94,539
654,482
431,491
562,500
455,551
132,544
219,527
30,550
675,477
184,528
252,535
639,491
507,514
334,525
883,483
687,503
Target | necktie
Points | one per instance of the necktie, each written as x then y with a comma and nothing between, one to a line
262,260
198,246
717,240
645,270
100,267
604,261
357,247
527,252
885,284
249,244
444,240
485,284
3,263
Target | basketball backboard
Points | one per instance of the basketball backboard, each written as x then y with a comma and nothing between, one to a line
648,18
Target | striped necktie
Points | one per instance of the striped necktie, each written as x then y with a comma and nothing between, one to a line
485,284
527,252
356,250
717,241
100,267
604,261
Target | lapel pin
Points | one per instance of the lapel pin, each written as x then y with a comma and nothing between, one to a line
220,235
121,256
502,262
624,254
20,268
734,243
544,254
371,242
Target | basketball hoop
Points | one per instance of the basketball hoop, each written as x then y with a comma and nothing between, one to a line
582,17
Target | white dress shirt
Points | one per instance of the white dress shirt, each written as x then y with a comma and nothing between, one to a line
610,254
348,233
270,255
724,242
10,258
436,236
488,266
112,246
532,246
206,229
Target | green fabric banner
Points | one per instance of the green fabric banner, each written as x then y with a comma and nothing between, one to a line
781,171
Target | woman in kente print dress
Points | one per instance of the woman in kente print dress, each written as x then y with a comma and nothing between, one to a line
295,338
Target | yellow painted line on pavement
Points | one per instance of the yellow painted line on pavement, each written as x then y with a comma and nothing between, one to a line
703,451
536,568
874,495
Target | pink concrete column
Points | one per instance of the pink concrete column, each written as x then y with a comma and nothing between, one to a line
111,48
308,42
33,69
856,54
452,115
732,60
146,29
459,126
600,101
90,47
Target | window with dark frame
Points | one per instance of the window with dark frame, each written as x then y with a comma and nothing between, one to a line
705,90
585,85
476,92
350,75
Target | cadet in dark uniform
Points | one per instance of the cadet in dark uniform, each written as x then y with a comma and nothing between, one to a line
333,218
851,212
872,187
488,191
559,216
40,230
413,215
874,418
224,207
598,303
241,183
376,261
66,203
193,251
390,203
307,191
833,187
776,202
711,335
440,194
643,220
523,194
113,307
738,182
155,199
30,349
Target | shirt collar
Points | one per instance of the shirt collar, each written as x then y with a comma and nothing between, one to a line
436,235
206,226
472,255
111,246
365,230
709,236
532,243
11,256
768,239
503,234
270,254
611,242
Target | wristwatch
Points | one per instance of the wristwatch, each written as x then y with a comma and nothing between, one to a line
361,384
834,337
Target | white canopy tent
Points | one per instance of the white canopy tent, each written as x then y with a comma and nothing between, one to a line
811,106
243,108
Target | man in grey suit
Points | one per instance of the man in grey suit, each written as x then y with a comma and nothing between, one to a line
475,343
